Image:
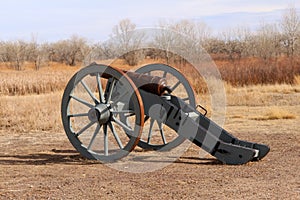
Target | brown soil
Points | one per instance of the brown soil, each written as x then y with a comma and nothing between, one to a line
43,165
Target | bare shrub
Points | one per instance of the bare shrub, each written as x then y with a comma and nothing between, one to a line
256,71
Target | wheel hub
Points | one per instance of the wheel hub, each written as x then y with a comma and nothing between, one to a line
99,113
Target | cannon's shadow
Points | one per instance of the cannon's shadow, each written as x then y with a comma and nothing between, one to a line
72,157
181,160
55,157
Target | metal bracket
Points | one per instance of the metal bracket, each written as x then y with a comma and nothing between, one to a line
199,106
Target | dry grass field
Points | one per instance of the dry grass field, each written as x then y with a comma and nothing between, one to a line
38,162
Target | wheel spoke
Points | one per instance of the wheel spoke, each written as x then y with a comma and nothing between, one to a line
113,130
101,96
162,133
89,91
110,90
185,99
175,86
84,128
127,128
150,130
165,74
78,115
94,136
105,140
82,101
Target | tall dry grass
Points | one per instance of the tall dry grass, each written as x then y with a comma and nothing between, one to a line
26,82
274,113
35,113
30,100
297,80
262,95
31,113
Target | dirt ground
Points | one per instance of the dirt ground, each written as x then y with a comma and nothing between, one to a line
43,165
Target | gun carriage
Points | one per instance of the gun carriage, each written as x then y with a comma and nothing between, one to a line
104,111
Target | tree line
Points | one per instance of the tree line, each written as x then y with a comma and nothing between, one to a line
269,41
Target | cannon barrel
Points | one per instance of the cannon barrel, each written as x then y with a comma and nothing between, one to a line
153,84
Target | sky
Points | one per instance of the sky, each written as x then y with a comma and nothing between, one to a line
52,20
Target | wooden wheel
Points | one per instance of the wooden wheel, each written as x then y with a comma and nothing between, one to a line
156,135
93,101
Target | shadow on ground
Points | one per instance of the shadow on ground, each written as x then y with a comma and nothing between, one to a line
71,157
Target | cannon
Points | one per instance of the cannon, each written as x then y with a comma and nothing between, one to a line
104,111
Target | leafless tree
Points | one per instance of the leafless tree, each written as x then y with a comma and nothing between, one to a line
70,51
233,46
164,41
267,41
3,54
126,41
198,32
13,53
181,37
37,53
290,25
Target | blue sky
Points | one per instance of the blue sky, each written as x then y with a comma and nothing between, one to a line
51,20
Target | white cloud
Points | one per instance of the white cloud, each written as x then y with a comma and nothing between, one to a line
215,7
